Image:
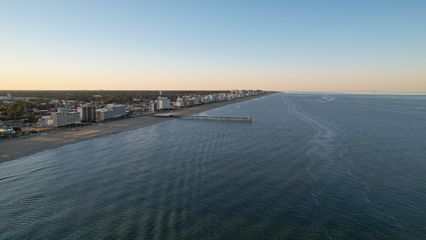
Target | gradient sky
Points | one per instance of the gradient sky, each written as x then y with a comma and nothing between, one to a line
277,45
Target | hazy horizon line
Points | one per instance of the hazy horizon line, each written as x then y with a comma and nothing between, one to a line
218,90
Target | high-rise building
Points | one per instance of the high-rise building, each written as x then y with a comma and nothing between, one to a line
87,112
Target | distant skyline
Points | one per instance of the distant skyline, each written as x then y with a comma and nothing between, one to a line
315,46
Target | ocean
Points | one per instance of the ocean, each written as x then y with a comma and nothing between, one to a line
309,166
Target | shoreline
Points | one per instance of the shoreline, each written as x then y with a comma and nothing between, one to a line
12,149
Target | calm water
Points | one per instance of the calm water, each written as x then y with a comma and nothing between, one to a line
308,167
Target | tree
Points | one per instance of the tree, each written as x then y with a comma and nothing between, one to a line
15,110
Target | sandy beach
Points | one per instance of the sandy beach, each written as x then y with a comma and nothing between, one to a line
23,146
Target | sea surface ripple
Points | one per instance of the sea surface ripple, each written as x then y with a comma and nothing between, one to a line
309,166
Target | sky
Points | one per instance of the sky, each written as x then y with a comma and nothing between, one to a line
311,45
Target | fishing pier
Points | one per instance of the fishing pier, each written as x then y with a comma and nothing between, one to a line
220,118
212,118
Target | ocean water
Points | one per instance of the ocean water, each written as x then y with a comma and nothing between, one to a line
309,166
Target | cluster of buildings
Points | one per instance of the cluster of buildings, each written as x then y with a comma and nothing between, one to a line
160,104
10,98
60,113
87,112
163,103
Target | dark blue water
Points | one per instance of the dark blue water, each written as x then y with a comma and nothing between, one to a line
307,167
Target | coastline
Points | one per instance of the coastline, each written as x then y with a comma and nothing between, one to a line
11,149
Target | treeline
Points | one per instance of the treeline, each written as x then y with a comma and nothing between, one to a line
22,109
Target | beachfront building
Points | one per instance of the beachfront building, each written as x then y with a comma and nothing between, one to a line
45,121
197,100
103,114
221,97
117,110
204,100
63,118
153,106
87,112
180,102
189,102
163,103
211,97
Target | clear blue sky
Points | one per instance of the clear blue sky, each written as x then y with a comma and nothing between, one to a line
280,45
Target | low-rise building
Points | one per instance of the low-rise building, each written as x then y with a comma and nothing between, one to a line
45,121
153,106
180,102
64,118
163,103
103,114
197,100
117,110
